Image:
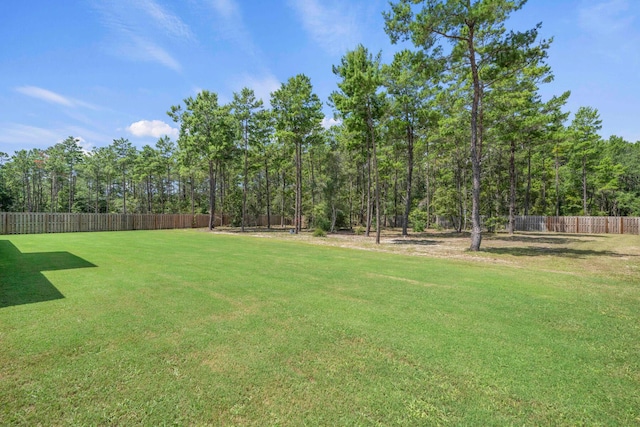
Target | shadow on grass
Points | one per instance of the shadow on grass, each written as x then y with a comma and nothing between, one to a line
553,240
423,242
573,235
253,229
447,234
561,252
21,278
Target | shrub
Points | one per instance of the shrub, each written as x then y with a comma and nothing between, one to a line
358,230
495,223
322,223
418,220
319,232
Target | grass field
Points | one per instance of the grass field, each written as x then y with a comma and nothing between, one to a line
185,327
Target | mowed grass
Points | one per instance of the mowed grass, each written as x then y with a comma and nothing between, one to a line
192,328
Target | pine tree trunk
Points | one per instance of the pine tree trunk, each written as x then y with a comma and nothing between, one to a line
298,209
376,176
476,142
193,199
512,188
584,186
407,208
266,175
245,179
557,165
527,194
212,195
124,192
368,230
97,193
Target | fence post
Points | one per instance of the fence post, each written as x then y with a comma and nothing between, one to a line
621,225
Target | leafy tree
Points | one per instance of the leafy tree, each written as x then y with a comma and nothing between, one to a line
411,85
518,116
298,113
207,132
481,54
73,155
584,146
125,154
5,196
361,106
245,109
146,167
627,155
165,158
451,162
266,152
55,166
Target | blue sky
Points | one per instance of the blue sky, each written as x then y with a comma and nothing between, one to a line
101,70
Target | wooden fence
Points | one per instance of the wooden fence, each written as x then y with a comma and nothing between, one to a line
566,224
579,224
36,223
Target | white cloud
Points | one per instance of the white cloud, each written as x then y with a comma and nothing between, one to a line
612,29
328,122
85,146
148,51
605,17
229,24
152,128
170,23
137,30
330,24
133,16
227,8
45,95
28,136
53,97
17,136
88,138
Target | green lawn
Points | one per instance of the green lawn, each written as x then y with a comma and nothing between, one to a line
185,327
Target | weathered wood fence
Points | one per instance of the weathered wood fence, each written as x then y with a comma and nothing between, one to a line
566,224
36,223
579,224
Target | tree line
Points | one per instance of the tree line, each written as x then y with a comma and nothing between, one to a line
454,127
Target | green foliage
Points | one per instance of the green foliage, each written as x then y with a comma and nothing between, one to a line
233,206
322,223
358,230
495,223
297,113
361,106
418,220
583,150
403,139
319,232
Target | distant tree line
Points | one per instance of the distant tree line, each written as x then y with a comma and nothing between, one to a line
455,131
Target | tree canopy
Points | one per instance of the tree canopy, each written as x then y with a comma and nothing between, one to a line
453,131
